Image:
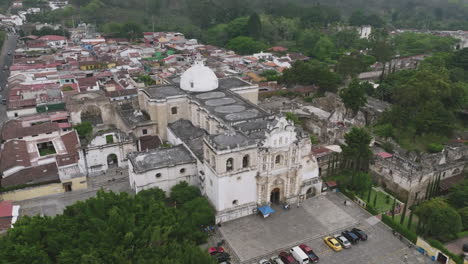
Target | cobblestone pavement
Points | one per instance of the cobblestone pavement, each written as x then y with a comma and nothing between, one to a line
252,238
113,180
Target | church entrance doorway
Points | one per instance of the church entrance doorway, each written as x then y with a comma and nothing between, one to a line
112,161
275,196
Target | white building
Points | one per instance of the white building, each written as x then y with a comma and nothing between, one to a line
239,156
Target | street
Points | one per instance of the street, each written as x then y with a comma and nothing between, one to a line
6,60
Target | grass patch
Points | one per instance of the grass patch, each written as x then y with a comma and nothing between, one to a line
414,221
419,143
381,204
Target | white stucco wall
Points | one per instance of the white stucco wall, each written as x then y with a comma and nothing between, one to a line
170,176
21,112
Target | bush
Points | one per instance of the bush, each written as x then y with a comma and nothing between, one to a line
388,147
434,148
411,236
84,129
371,209
348,193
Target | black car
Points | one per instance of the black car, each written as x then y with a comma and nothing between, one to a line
221,257
362,236
352,237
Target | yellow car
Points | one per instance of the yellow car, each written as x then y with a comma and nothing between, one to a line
332,243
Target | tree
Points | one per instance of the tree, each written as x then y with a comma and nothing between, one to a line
84,129
113,228
182,192
356,149
439,219
360,182
245,45
464,216
323,49
311,73
254,26
354,96
458,195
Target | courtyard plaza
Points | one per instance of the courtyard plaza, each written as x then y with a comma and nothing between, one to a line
252,238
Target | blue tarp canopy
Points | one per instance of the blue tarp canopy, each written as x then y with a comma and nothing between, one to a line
266,210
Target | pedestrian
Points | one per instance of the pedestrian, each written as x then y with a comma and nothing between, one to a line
344,202
405,258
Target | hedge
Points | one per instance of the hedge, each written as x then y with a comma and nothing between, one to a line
371,209
411,236
437,244
23,186
348,193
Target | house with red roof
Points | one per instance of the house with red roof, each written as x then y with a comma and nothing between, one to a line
54,41
9,214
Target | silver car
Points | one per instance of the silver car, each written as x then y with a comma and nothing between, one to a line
343,241
277,260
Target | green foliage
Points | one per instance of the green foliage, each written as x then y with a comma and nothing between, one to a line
311,73
84,129
434,148
270,75
352,65
323,49
458,195
354,96
146,79
371,209
182,193
360,182
67,88
50,31
254,26
463,212
356,148
439,219
129,30
388,147
109,139
113,228
294,118
314,140
359,18
385,130
245,45
409,43
411,236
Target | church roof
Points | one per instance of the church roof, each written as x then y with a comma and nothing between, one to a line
160,158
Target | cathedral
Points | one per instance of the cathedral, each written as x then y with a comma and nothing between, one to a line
240,156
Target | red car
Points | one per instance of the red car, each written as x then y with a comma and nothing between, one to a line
214,250
287,258
309,252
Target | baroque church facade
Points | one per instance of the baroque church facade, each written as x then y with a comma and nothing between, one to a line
240,156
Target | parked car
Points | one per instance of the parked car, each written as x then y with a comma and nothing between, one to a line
332,243
264,261
214,250
277,260
343,241
359,233
221,257
350,236
287,258
309,252
465,249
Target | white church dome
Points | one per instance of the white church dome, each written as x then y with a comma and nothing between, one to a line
198,78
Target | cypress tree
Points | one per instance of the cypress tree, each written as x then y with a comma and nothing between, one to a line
403,214
369,195
254,26
393,209
375,200
428,188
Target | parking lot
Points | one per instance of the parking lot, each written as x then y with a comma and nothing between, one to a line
252,238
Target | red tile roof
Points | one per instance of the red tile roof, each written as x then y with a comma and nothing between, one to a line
39,174
52,38
6,209
14,129
385,155
14,153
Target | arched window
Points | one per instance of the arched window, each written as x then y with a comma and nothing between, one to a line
158,175
245,161
230,164
235,202
174,110
278,159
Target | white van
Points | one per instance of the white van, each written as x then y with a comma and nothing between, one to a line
299,255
